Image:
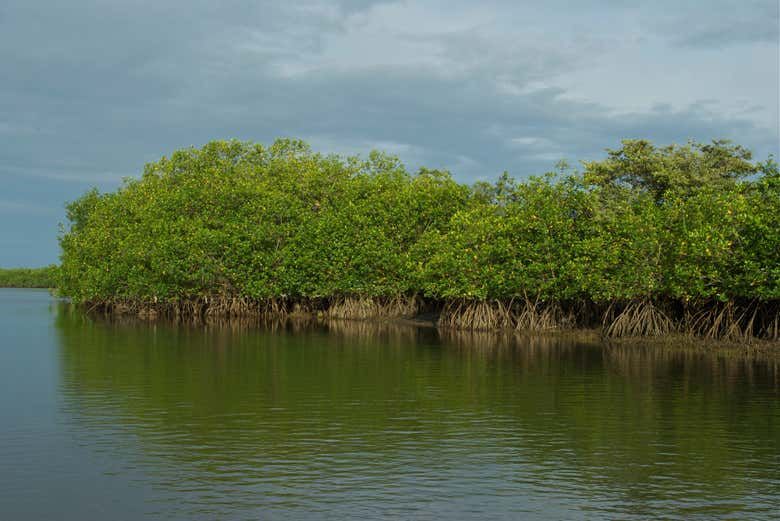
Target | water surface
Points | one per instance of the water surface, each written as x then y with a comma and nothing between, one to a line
102,420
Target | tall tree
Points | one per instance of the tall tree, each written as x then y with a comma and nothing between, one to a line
640,165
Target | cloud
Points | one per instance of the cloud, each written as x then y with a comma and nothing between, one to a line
720,23
92,90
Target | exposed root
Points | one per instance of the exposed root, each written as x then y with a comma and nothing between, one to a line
199,308
476,315
635,319
525,315
772,329
240,306
374,307
542,316
733,322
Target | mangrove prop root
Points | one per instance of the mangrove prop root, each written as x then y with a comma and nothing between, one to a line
372,307
523,315
636,318
734,322
730,321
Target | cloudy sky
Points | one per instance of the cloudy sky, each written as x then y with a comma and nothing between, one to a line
92,89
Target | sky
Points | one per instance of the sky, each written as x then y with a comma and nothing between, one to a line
91,90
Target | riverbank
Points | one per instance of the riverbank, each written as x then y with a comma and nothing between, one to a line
41,278
516,320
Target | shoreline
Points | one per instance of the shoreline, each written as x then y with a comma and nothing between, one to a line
431,321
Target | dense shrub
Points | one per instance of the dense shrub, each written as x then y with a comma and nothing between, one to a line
677,228
45,277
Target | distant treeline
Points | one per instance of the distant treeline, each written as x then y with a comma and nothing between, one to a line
650,240
45,277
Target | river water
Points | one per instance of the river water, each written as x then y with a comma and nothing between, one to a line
130,420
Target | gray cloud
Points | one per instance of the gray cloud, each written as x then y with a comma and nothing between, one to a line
92,90
720,23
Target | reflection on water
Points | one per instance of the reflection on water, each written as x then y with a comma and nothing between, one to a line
359,420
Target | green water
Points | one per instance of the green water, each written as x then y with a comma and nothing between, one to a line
127,421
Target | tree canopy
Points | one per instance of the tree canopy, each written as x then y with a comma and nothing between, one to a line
640,165
686,224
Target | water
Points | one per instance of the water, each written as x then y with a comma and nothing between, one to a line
355,421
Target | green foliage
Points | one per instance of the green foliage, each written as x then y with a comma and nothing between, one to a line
684,223
640,165
45,277
240,219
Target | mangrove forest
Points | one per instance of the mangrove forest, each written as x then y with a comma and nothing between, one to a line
45,277
650,240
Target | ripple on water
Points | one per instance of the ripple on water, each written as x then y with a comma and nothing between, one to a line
205,423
